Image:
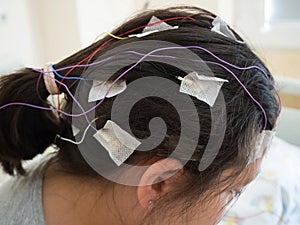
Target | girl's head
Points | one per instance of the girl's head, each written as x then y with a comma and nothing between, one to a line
245,107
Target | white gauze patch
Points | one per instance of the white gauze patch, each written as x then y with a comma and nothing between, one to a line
203,88
118,143
154,28
53,101
75,130
221,27
100,88
262,145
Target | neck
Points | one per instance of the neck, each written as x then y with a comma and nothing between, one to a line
72,200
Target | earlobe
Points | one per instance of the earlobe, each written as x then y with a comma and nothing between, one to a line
153,181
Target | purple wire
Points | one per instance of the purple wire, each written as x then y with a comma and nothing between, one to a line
246,90
238,80
50,109
216,57
72,96
201,48
233,74
83,65
124,73
234,66
173,48
165,56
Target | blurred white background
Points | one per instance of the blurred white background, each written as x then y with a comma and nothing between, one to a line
34,32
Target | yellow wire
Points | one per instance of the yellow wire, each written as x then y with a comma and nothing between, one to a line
110,34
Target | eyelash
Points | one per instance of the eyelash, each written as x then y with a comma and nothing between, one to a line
236,193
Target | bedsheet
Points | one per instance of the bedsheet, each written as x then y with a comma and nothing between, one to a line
274,197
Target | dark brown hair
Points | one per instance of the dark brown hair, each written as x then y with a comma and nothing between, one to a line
26,132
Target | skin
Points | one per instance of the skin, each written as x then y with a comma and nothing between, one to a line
71,200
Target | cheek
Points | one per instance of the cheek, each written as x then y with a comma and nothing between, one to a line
220,207
204,213
214,211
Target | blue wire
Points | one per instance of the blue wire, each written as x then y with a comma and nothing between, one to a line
66,78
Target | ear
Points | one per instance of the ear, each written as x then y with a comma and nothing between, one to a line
158,179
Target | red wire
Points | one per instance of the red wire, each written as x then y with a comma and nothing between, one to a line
105,43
